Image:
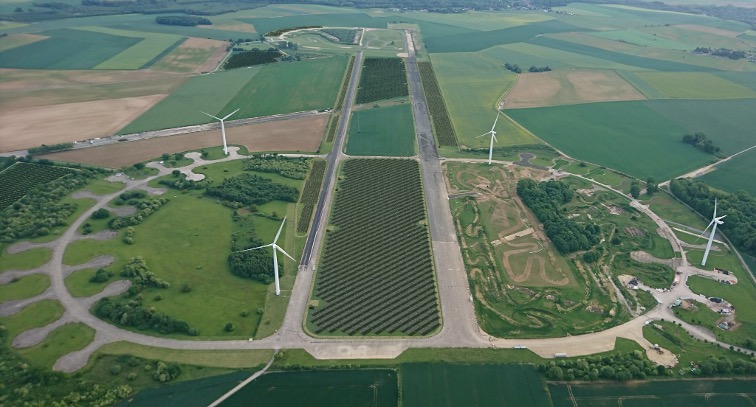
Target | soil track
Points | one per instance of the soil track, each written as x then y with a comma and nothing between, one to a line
301,134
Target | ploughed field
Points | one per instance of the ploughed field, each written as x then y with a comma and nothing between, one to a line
376,274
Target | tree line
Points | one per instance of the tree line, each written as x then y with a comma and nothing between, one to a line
251,189
740,208
721,52
699,141
188,21
545,199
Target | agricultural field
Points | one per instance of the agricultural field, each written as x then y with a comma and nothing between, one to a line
442,126
67,49
333,388
527,55
378,208
265,25
569,87
285,88
383,39
383,131
17,40
295,135
644,39
668,393
342,35
382,78
644,143
21,177
150,48
735,174
523,287
687,85
472,103
193,55
440,384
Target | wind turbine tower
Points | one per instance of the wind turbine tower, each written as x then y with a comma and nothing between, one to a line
714,222
275,257
223,128
492,132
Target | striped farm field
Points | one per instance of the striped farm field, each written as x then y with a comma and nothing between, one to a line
148,50
66,49
376,272
687,85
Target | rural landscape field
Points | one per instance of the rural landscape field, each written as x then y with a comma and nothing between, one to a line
397,203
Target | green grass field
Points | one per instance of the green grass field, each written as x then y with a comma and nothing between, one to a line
735,174
740,295
479,40
34,315
265,25
644,39
527,55
204,93
384,131
472,86
728,123
290,87
667,393
631,137
450,385
237,359
150,48
12,41
272,89
26,260
24,287
66,49
687,85
333,388
66,339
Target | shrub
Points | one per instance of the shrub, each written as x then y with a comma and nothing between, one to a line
101,213
230,327
115,370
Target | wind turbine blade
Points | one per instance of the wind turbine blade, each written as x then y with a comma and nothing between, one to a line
707,228
484,134
255,248
493,134
286,254
715,208
279,230
208,114
497,119
230,114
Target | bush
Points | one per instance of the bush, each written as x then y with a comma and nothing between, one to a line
115,370
186,288
139,166
101,213
230,327
101,276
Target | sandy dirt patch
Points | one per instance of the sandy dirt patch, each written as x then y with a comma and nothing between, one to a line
185,57
19,40
24,128
302,134
569,87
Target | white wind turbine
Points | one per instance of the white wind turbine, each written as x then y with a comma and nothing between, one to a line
493,137
223,127
714,221
275,257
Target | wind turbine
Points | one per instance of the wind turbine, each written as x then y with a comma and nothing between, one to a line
714,221
223,127
493,137
275,258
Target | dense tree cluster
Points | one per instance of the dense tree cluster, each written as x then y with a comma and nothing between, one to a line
740,208
101,276
181,183
253,57
545,200
254,264
25,384
189,21
137,269
514,68
41,209
130,312
721,52
44,148
624,366
382,78
539,68
294,168
251,189
146,208
101,213
699,141
276,33
720,366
